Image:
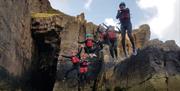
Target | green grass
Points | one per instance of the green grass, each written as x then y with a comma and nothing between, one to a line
42,15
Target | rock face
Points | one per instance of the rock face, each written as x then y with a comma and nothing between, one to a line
74,30
17,48
142,35
15,36
15,42
155,68
39,6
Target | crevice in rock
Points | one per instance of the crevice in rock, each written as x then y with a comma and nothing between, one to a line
47,47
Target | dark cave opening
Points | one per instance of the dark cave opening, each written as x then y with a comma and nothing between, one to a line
47,47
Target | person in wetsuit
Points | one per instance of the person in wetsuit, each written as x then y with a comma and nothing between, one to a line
75,59
123,14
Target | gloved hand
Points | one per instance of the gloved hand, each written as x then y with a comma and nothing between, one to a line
81,46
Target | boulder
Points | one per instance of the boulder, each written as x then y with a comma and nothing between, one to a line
154,68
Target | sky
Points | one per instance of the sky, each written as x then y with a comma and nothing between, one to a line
163,16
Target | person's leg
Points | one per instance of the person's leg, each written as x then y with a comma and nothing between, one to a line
77,68
111,48
80,79
105,41
73,68
129,31
123,35
84,78
79,82
115,48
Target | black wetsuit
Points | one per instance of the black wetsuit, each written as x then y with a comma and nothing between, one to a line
124,18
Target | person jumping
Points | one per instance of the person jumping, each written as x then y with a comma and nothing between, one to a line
75,59
123,15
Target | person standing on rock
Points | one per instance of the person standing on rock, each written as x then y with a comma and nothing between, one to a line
111,35
102,34
112,41
123,15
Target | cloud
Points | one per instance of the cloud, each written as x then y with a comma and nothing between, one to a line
111,21
164,22
88,4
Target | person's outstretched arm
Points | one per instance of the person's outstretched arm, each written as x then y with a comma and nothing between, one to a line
81,42
119,30
79,53
105,25
66,56
94,41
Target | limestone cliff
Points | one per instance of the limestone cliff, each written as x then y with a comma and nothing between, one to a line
15,43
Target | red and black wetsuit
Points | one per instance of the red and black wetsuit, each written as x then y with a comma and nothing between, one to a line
75,60
83,70
84,66
124,18
112,42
